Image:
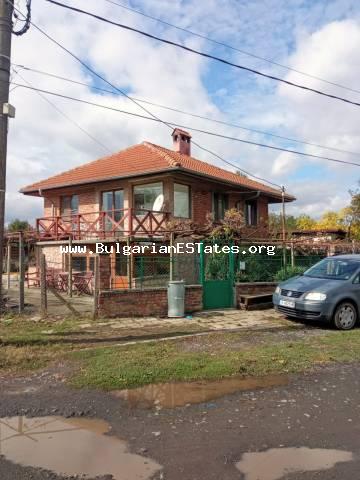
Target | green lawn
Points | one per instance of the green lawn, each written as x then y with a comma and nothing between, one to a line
27,346
133,366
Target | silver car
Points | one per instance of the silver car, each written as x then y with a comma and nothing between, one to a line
328,291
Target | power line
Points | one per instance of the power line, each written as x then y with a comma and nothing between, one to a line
189,127
202,117
87,67
69,119
27,21
231,47
203,54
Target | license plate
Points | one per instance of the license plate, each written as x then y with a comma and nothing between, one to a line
287,303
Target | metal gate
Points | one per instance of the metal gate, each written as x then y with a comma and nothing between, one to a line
217,277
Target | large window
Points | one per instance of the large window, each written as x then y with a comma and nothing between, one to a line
181,200
145,196
220,204
251,212
69,205
113,203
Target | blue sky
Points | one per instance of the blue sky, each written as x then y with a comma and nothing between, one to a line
317,37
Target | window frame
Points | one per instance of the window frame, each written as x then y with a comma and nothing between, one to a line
71,210
189,200
112,191
224,197
252,204
141,210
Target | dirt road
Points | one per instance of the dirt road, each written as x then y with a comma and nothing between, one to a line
208,440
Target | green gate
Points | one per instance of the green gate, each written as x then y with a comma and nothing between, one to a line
217,277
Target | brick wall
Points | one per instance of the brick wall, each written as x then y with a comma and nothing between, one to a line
201,197
201,204
253,288
151,302
53,256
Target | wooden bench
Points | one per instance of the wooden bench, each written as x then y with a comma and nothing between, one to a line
259,301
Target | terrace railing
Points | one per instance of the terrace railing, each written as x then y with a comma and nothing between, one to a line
103,225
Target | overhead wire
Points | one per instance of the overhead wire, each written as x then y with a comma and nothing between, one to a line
67,117
203,54
91,70
183,112
206,132
231,47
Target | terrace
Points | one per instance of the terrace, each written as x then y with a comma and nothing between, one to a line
103,225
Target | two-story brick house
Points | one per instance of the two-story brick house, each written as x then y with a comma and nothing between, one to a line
135,191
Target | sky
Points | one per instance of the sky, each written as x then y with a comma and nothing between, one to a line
320,38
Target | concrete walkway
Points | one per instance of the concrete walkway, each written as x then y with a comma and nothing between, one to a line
208,320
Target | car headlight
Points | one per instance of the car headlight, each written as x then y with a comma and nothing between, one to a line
315,296
277,289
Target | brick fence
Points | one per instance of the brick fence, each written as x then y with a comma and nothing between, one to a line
149,302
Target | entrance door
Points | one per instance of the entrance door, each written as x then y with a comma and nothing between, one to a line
217,278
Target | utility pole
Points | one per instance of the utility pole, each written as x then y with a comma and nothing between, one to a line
6,12
283,223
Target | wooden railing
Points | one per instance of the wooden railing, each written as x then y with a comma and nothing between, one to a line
102,225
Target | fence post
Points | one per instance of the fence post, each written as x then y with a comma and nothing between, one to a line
96,287
21,272
292,255
129,263
171,256
8,265
70,282
43,291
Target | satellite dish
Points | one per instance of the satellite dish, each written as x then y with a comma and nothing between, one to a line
159,203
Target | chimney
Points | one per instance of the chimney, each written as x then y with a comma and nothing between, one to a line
182,141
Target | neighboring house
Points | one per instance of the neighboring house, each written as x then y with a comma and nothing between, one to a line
136,191
319,235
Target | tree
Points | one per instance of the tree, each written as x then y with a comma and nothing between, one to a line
331,220
275,223
19,226
352,215
305,222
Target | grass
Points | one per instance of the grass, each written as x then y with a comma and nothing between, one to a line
133,366
27,346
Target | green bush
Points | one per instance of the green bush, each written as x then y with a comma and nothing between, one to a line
258,268
282,274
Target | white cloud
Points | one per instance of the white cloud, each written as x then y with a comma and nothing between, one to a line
42,142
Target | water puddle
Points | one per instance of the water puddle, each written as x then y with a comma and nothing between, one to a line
177,394
275,463
71,447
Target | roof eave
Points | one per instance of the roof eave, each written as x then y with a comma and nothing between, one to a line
36,191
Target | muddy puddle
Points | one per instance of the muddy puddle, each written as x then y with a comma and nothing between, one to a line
177,394
276,463
71,447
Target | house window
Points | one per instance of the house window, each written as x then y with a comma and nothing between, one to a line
113,203
220,204
181,200
251,212
69,205
121,263
145,196
79,264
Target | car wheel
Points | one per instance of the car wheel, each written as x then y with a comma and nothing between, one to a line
345,316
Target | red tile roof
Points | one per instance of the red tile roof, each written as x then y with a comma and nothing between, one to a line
141,159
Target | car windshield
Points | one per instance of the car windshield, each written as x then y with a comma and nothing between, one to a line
333,268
